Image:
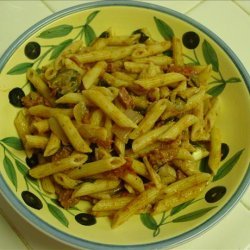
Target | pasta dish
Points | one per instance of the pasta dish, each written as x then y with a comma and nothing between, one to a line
121,124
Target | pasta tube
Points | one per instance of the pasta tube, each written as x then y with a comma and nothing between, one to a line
93,74
161,80
52,146
150,118
109,109
112,204
179,198
40,85
178,127
72,133
215,150
58,166
134,206
186,183
100,185
96,167
47,112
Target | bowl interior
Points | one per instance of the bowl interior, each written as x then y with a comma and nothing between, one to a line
229,78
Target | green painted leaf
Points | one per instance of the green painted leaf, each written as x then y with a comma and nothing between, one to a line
33,180
20,68
193,215
180,207
216,90
164,29
22,168
10,170
13,142
89,34
59,48
210,55
58,214
92,16
228,166
233,80
148,221
58,31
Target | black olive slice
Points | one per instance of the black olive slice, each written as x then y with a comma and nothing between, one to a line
143,37
32,50
190,40
104,34
15,97
32,161
85,219
215,194
32,200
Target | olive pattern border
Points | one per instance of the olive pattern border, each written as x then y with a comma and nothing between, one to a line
12,162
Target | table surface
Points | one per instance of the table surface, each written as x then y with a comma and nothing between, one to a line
230,20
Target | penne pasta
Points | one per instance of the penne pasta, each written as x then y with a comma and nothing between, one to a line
161,80
150,118
134,206
92,76
104,54
179,198
72,133
40,85
215,150
47,112
186,183
21,123
36,141
65,181
50,168
177,52
96,167
149,137
101,185
175,130
134,181
52,146
41,126
112,204
120,126
47,185
109,109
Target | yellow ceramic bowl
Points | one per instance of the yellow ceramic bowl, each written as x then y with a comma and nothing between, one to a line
229,79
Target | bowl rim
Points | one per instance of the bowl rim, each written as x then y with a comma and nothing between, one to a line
74,241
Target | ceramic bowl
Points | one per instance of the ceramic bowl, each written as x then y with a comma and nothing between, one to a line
200,46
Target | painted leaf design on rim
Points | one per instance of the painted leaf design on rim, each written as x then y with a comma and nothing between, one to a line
210,55
89,34
216,90
10,170
13,142
148,221
228,166
180,207
58,214
233,80
164,29
58,31
59,48
22,168
92,16
193,215
20,68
